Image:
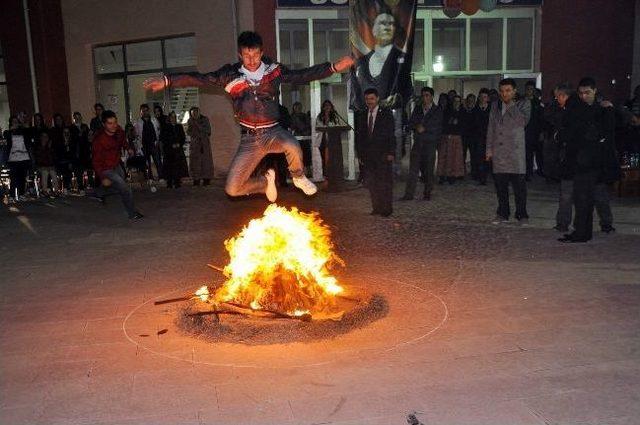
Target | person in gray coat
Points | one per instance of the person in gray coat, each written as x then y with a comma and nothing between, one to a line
506,150
426,123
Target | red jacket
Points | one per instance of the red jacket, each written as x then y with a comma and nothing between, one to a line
107,149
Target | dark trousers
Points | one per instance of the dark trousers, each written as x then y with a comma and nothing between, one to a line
600,202
379,174
583,200
482,165
467,147
421,160
119,186
533,149
519,185
153,152
18,171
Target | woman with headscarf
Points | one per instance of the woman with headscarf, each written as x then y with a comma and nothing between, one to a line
200,160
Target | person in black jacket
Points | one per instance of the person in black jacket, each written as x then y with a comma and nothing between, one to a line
426,123
173,139
590,155
481,115
533,130
376,150
80,133
254,87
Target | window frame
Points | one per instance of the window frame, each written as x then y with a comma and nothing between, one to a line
126,72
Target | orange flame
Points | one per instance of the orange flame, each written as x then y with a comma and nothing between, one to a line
281,262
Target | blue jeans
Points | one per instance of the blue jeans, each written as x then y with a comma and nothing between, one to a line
255,145
120,186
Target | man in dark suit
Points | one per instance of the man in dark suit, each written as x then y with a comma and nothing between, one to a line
426,123
376,151
590,157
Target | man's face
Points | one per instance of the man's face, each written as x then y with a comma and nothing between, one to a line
66,133
195,113
371,100
384,28
507,93
144,112
77,118
99,111
483,98
587,94
251,57
529,92
111,125
427,98
561,97
157,112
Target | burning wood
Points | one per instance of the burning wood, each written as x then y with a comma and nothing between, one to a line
280,263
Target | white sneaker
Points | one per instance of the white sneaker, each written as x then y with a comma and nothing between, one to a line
272,190
304,184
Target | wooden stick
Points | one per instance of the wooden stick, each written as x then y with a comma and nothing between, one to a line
220,269
173,300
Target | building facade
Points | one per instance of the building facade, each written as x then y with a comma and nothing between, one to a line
65,55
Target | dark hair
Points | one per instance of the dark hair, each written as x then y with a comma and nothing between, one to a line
484,90
333,117
371,90
193,108
95,105
156,106
249,40
108,114
427,89
508,82
564,88
587,82
144,105
76,113
530,83
39,115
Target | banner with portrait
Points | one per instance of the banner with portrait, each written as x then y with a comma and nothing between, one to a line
381,34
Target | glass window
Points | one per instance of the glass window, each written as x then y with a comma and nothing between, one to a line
418,47
108,59
143,56
519,43
330,39
180,52
448,44
138,95
111,95
294,43
486,44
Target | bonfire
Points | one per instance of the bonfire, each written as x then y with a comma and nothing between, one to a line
281,262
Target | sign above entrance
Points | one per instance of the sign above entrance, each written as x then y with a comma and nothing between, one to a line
423,3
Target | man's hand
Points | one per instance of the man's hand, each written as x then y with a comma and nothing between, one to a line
390,158
343,64
420,129
488,157
606,104
154,84
105,182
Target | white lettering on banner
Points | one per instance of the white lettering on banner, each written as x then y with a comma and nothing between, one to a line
318,2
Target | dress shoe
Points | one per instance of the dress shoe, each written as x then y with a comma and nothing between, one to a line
569,239
406,198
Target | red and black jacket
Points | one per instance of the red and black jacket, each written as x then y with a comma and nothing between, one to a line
254,105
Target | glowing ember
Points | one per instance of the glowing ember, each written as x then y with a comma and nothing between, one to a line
281,262
203,294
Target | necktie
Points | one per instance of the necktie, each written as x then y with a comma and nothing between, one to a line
370,122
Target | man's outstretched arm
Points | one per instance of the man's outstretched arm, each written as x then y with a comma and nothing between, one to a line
188,79
316,72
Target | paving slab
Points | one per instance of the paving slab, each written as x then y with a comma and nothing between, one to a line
486,324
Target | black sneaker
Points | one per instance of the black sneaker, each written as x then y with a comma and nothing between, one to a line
608,229
136,216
